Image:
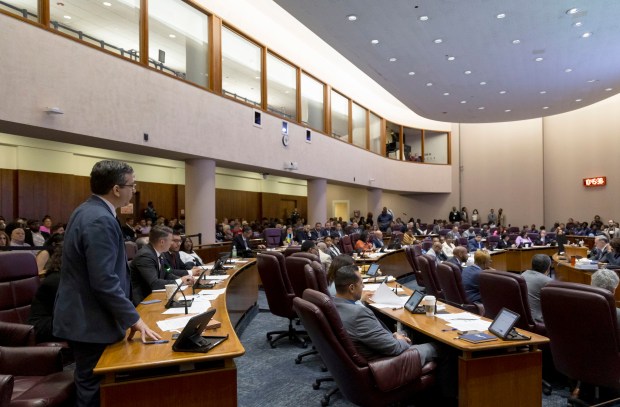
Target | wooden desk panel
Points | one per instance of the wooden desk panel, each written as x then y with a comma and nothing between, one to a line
150,374
499,259
519,260
565,272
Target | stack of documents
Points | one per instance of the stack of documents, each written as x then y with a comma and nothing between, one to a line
464,321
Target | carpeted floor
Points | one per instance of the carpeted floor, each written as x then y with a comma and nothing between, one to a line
270,377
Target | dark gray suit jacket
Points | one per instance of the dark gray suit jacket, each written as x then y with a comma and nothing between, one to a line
147,275
92,304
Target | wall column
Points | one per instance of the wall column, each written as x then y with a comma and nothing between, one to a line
200,198
375,196
317,201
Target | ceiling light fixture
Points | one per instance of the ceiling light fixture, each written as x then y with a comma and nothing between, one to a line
592,80
107,3
411,73
567,70
578,100
538,59
467,72
352,17
446,93
501,15
429,84
374,42
172,36
608,89
578,24
438,41
393,59
423,18
507,110
516,42
502,92
586,35
481,108
542,92
573,10
545,107
451,58
483,83
67,17
463,101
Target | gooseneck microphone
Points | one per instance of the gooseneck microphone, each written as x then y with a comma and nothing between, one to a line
171,302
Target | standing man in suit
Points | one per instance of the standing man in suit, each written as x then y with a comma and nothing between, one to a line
148,268
93,307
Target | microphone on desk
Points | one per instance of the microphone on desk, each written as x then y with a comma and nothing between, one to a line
171,301
197,283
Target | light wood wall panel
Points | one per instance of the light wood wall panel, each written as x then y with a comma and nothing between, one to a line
8,180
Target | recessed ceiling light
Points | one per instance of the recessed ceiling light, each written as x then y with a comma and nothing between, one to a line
578,24
172,36
608,89
67,17
393,59
586,35
463,101
501,15
483,83
374,42
429,84
257,77
578,100
451,58
502,92
545,107
592,80
542,92
467,72
481,108
446,93
567,70
411,73
423,18
107,3
538,59
573,10
438,41
352,17
516,41
507,110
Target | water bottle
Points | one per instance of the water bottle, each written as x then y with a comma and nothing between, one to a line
234,251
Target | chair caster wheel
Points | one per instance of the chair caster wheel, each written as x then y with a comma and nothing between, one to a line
316,386
324,403
297,361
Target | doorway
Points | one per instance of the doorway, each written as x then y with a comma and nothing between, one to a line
340,209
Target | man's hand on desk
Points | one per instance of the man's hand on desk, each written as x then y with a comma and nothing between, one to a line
197,270
261,247
187,280
144,330
398,336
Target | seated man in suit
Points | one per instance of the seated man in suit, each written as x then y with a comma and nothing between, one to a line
436,252
317,232
504,242
148,268
535,280
613,257
459,256
303,235
601,248
607,279
129,231
471,275
242,243
543,240
377,239
475,243
172,258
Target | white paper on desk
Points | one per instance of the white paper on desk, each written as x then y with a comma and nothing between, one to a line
478,325
371,287
218,278
238,261
463,316
173,324
198,307
384,296
163,290
379,278
212,292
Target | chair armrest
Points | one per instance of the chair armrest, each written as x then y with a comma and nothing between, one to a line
395,371
12,334
6,389
30,361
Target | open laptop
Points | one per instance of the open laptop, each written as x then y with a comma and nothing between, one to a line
503,326
413,303
191,339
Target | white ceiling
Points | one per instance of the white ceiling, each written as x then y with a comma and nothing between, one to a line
481,43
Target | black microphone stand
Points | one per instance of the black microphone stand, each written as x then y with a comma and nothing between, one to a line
171,302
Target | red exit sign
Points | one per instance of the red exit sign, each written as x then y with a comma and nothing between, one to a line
595,182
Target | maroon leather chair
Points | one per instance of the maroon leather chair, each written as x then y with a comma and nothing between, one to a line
19,281
131,248
426,245
451,283
347,246
291,250
306,255
500,289
429,274
492,242
411,259
379,382
295,271
582,325
12,334
273,237
280,296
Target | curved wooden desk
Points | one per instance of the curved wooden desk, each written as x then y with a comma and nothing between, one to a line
141,375
392,263
564,271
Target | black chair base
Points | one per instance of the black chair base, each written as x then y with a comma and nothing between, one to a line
302,355
292,334
327,396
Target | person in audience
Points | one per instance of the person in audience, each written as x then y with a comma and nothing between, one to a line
46,225
384,219
327,230
600,250
523,239
242,243
501,218
455,215
17,235
338,230
4,239
310,246
303,234
596,222
492,217
289,237
332,249
42,307
471,275
436,252
219,232
448,246
34,236
504,241
613,257
377,240
150,212
469,233
326,259
408,238
543,240
187,253
317,232
228,234
369,221
417,230
455,232
49,248
337,262
459,256
475,218
464,215
129,229
363,243
148,268
355,228
475,244
536,279
608,280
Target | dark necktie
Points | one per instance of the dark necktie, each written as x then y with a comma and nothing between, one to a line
162,266
174,260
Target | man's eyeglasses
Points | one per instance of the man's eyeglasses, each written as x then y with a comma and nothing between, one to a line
132,186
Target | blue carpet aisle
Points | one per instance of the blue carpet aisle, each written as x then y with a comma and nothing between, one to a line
270,377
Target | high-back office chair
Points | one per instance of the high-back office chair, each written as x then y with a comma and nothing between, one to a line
429,275
273,237
280,296
463,241
291,250
417,249
347,246
131,249
379,382
533,237
19,281
411,259
513,229
451,283
426,245
443,232
582,325
295,271
492,242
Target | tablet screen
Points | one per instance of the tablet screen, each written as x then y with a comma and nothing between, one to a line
413,301
372,270
503,323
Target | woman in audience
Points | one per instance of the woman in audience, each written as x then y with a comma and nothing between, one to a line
523,240
418,230
337,262
613,257
504,242
475,218
4,239
448,246
46,225
363,244
289,237
42,308
187,253
369,220
228,234
50,246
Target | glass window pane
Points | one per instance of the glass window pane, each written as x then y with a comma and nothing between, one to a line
340,116
375,133
241,68
412,144
112,25
28,9
436,147
359,125
392,140
312,106
281,88
178,40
